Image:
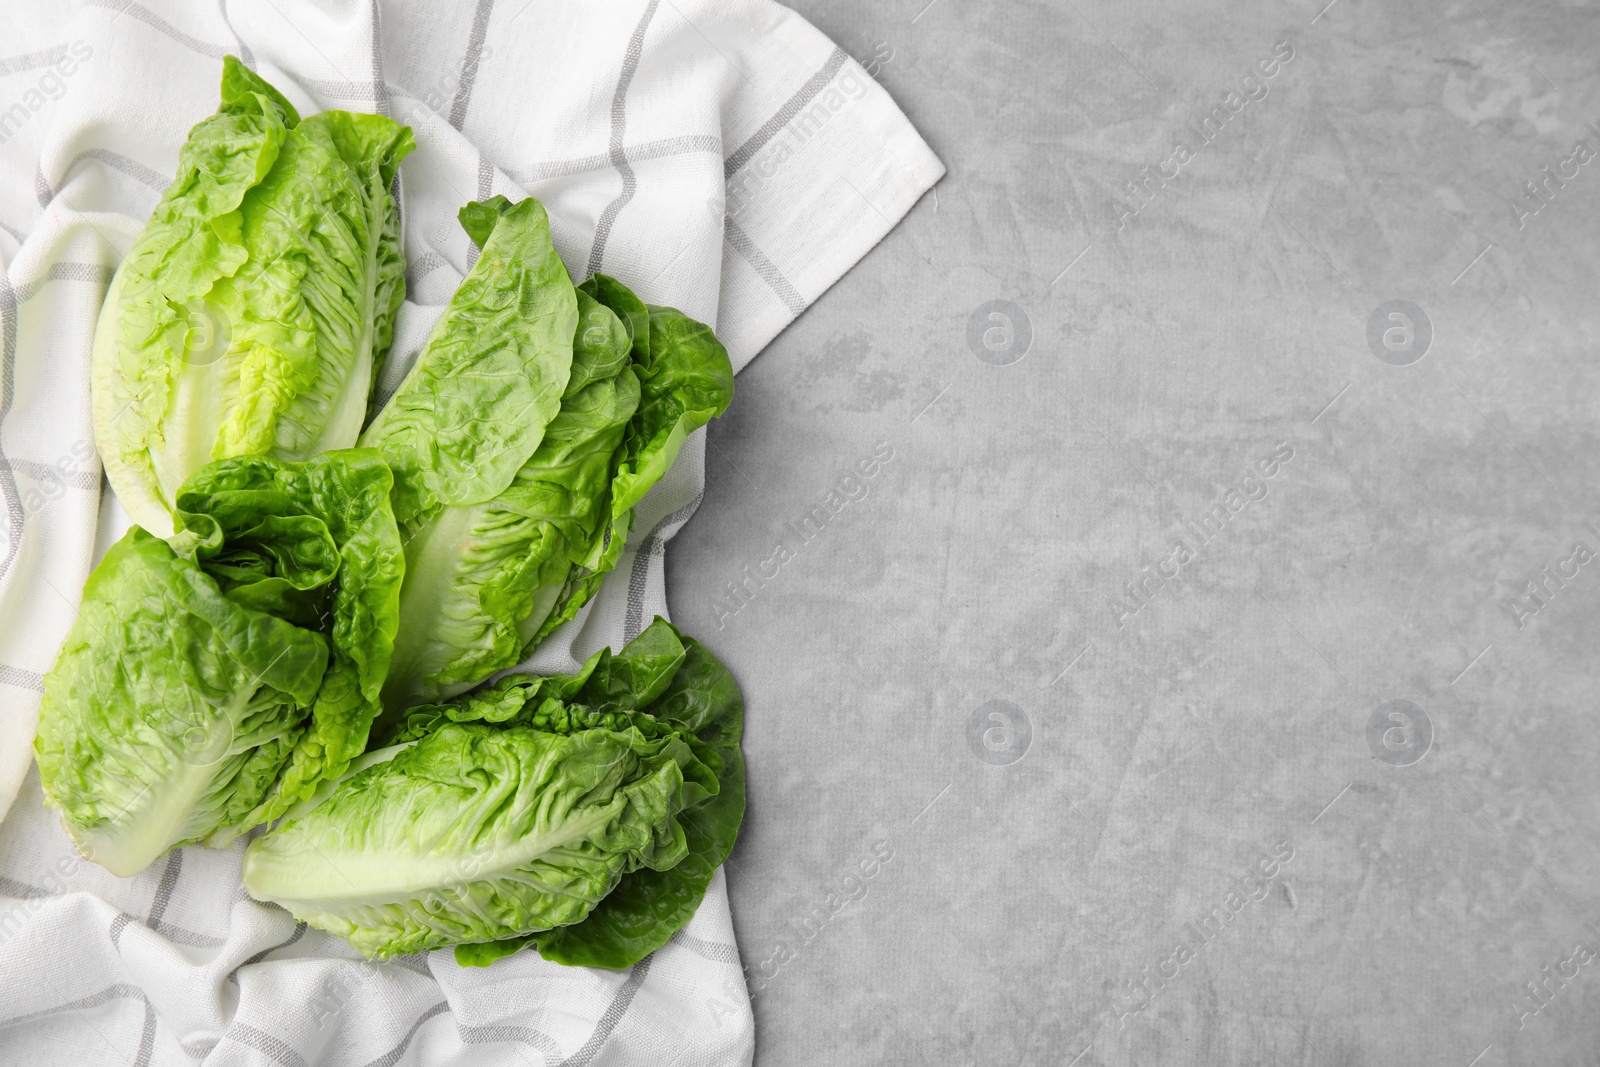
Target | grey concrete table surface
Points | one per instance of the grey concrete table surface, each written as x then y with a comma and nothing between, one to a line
1175,691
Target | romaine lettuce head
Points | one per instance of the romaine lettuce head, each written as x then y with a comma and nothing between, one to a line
503,440
476,570
210,681
661,683
478,832
250,314
498,558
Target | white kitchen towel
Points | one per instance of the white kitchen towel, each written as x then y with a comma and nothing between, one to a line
718,155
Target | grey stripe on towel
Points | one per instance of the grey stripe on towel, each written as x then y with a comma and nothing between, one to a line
650,549
619,127
787,113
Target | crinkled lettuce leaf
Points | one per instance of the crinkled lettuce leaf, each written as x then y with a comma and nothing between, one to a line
703,703
479,568
608,684
517,492
256,525
210,681
661,683
478,832
501,437
475,404
685,381
584,813
250,314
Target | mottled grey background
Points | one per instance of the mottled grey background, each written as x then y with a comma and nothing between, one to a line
1230,716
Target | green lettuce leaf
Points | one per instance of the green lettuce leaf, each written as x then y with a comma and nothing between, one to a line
476,832
605,691
483,953
211,680
500,437
170,707
685,381
517,496
549,810
475,405
633,312
660,684
255,523
250,314
704,704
